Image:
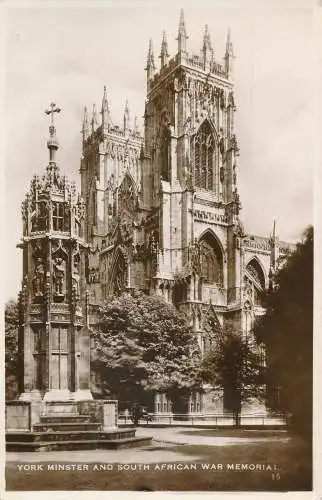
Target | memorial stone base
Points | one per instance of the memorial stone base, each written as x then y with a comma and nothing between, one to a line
45,425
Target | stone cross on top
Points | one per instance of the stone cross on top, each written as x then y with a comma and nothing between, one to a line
53,109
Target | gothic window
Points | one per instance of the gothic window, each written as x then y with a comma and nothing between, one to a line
165,155
211,261
204,158
126,195
255,280
58,216
39,221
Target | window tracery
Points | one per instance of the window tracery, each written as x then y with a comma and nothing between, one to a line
205,159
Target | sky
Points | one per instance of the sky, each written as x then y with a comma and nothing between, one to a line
67,54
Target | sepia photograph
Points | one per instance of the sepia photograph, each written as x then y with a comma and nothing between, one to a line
158,246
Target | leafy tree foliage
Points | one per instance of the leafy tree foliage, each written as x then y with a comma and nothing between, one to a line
143,344
11,348
287,332
236,365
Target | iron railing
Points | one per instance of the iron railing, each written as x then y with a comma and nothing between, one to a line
208,419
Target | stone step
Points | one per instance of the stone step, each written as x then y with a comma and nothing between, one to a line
66,426
93,444
64,436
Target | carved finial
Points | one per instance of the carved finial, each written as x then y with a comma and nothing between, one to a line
182,35
164,55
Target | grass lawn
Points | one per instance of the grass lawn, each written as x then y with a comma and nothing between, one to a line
293,460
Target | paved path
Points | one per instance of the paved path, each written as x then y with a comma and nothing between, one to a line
160,451
177,435
135,455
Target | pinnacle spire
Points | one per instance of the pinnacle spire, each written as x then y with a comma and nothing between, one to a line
229,45
164,55
105,110
150,66
126,116
85,128
182,34
206,47
150,59
104,101
206,39
135,127
274,230
94,118
229,55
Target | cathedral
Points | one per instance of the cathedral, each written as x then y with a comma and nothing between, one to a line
158,212
163,208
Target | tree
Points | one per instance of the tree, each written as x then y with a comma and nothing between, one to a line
235,364
287,333
142,345
11,348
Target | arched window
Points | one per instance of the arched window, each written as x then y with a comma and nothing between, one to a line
211,260
204,153
126,195
255,270
255,281
165,155
120,274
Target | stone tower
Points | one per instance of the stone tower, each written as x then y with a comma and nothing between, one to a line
111,182
190,165
53,336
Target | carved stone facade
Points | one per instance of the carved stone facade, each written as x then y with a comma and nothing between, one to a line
163,209
53,336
